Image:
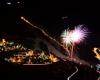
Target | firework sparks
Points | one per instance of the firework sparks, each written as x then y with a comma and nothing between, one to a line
74,36
79,34
71,37
66,38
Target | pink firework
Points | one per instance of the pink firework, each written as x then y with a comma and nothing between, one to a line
78,34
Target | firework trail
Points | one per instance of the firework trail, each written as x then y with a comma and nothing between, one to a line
45,34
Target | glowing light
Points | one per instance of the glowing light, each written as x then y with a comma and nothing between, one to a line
22,17
64,17
79,34
97,54
98,78
98,70
53,58
67,41
3,40
66,38
18,2
71,37
66,49
74,36
8,3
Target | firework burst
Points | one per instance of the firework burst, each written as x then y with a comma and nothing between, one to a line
79,34
71,37
66,38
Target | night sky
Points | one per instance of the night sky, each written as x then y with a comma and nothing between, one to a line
53,18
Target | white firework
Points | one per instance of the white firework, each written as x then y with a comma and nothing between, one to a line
65,37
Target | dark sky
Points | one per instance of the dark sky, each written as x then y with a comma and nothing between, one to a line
53,17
